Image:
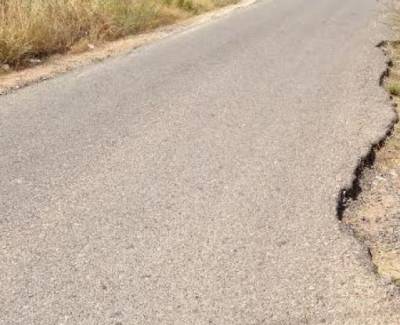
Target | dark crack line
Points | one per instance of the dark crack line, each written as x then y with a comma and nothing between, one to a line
351,193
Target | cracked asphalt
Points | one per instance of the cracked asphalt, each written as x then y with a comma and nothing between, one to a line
195,180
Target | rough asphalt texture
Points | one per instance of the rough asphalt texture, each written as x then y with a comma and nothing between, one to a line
195,180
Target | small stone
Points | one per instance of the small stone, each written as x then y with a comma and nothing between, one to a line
5,67
35,61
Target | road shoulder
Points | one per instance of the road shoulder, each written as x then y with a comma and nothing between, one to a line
374,217
61,63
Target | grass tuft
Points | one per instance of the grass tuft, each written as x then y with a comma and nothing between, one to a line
394,88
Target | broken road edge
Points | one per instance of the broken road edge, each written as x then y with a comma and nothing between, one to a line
351,193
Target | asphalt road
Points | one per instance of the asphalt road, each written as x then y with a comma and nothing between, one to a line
194,181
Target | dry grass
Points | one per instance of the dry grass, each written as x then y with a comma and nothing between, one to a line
32,29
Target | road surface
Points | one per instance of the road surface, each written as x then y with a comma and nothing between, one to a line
194,181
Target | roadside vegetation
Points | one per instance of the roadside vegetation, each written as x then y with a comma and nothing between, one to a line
34,29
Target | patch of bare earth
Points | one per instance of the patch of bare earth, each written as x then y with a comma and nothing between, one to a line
375,216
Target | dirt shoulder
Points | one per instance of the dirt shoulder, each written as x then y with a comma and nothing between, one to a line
58,64
375,215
